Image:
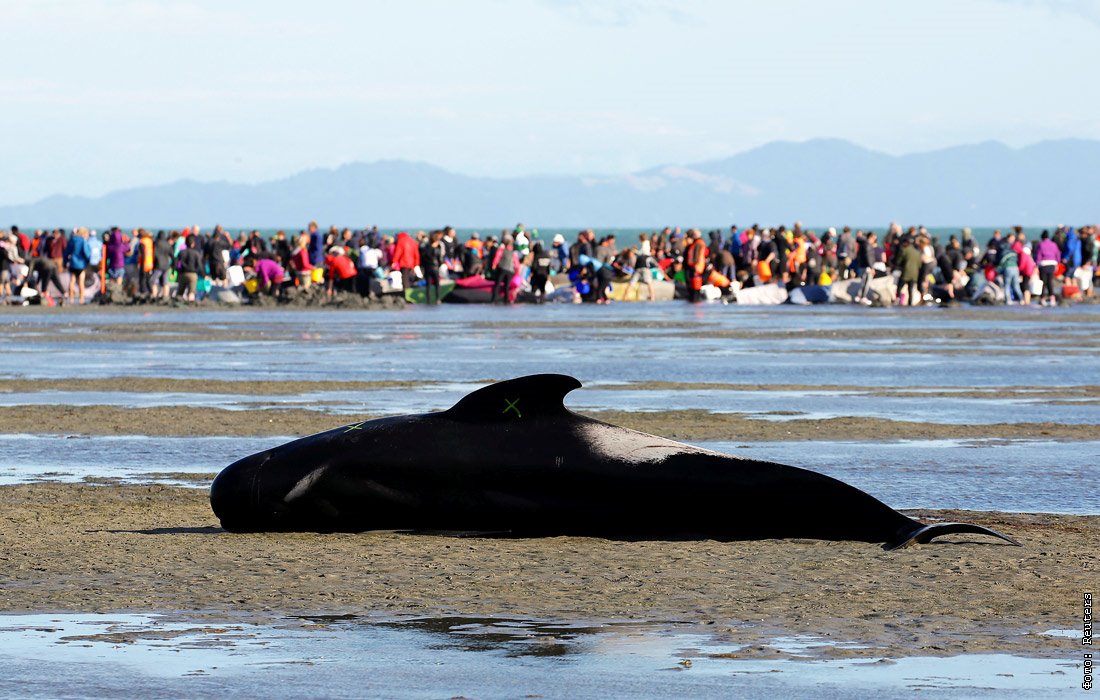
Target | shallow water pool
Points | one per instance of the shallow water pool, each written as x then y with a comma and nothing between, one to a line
1006,475
119,655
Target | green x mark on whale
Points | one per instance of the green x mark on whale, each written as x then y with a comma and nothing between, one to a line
512,405
357,426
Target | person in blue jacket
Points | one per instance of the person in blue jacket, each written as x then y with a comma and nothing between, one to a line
316,245
1071,254
78,256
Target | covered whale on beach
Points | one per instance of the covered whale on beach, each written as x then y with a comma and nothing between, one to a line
511,459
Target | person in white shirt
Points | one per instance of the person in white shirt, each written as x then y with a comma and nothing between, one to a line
370,261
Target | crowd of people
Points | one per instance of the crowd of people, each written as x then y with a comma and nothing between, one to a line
62,266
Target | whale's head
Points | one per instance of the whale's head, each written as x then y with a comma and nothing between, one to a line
321,482
265,491
302,485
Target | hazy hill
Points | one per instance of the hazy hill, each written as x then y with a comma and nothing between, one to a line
823,181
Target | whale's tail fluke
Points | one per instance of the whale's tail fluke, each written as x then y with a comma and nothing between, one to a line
925,533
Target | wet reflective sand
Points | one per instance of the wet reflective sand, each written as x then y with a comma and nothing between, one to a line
350,656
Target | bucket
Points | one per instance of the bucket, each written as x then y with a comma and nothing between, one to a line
718,279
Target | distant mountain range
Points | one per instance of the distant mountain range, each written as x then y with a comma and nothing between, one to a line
820,182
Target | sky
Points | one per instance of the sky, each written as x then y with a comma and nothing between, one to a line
99,95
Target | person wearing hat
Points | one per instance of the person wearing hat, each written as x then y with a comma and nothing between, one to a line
559,254
644,262
695,263
339,271
521,241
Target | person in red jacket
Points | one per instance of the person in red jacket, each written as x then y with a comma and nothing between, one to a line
299,262
406,258
24,242
340,271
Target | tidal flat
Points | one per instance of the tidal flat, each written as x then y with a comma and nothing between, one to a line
112,423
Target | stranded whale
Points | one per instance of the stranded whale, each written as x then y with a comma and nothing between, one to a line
511,458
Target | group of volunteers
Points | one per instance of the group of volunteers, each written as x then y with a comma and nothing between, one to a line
80,265
1055,264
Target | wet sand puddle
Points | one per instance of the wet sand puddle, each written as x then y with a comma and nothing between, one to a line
117,655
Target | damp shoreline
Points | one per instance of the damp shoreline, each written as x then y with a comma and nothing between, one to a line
87,548
691,424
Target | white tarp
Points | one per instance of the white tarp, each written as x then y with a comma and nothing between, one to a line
881,290
764,295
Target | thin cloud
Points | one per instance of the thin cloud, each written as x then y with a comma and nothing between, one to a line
92,18
618,13
1085,9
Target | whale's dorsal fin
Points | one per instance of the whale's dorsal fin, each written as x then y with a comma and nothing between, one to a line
520,399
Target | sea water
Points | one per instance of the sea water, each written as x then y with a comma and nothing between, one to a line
672,341
1017,476
833,359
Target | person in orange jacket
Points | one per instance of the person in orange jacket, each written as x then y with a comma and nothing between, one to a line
696,255
145,263
796,260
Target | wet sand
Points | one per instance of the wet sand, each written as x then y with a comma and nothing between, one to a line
69,547
167,385
1045,332
679,425
926,390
